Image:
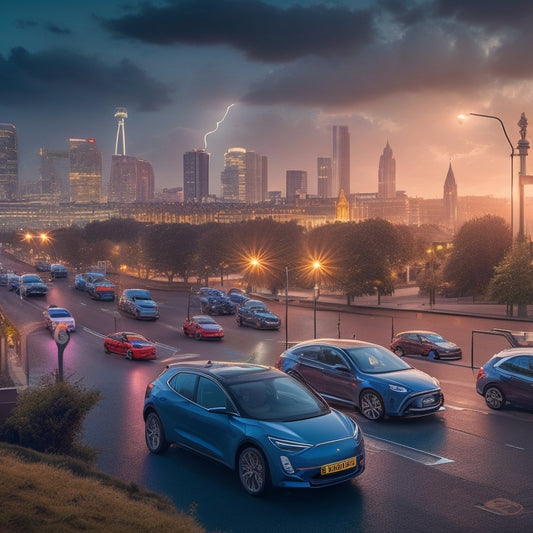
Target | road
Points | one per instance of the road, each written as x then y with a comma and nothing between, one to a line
464,469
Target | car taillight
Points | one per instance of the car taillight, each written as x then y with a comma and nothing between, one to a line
148,390
481,373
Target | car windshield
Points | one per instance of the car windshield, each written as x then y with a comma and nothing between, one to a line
32,279
376,359
135,337
141,296
257,306
433,337
58,313
281,399
204,320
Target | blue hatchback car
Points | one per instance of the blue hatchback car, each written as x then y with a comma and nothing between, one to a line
271,429
364,375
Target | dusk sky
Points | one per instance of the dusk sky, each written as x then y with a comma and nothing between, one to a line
392,70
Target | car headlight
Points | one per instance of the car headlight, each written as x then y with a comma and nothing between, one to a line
289,445
397,388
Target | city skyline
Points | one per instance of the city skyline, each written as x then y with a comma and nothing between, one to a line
400,74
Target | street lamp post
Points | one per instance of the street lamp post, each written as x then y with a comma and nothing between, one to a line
316,293
286,307
513,225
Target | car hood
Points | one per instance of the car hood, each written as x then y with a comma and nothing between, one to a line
34,284
413,379
331,426
145,303
266,314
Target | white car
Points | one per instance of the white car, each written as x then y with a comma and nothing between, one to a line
54,315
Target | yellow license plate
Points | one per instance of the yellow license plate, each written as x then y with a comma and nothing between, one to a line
338,466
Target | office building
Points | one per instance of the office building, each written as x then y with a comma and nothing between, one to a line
54,175
296,185
323,177
85,177
8,162
145,181
245,176
387,174
122,186
195,176
340,161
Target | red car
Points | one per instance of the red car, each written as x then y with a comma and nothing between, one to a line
203,327
131,345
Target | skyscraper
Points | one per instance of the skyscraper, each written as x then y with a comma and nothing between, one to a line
296,184
122,186
145,181
245,176
387,174
323,177
8,162
54,173
195,176
85,175
450,199
340,161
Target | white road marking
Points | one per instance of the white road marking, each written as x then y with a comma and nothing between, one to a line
414,454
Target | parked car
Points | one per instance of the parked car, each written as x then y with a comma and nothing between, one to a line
426,343
131,345
214,301
42,265
57,270
83,280
54,315
507,378
255,313
5,277
31,285
364,375
101,289
139,304
271,429
237,296
203,327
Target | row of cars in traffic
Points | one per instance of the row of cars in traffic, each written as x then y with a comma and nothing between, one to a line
277,427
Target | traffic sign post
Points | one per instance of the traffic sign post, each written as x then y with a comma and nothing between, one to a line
62,338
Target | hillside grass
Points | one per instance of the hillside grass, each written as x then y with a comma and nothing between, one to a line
52,493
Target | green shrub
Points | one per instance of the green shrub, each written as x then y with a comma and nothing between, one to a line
49,419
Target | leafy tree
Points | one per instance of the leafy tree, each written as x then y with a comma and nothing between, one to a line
49,418
513,278
478,247
215,249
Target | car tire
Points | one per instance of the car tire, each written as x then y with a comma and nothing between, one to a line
106,349
494,397
253,471
185,332
239,321
129,355
198,336
399,351
433,354
154,434
371,405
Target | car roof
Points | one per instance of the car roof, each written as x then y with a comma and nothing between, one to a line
228,372
523,350
55,308
418,332
338,343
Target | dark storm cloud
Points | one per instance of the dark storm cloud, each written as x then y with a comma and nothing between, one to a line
53,28
263,32
60,76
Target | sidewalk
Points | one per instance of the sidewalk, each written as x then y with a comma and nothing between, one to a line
408,299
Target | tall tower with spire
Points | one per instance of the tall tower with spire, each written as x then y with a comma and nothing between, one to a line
450,199
121,114
387,174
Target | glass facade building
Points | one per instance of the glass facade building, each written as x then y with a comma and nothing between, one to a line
85,176
8,162
195,176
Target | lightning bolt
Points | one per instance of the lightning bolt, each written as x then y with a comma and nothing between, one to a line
218,124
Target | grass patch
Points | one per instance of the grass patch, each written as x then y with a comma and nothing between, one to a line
42,492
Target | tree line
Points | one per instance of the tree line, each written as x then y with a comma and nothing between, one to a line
356,258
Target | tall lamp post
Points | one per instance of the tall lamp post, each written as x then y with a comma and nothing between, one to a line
286,307
512,171
316,294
